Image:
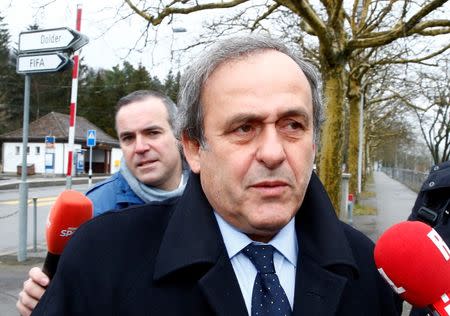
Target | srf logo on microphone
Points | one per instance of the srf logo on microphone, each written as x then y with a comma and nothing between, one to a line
68,232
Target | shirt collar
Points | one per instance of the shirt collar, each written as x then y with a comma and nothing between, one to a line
284,242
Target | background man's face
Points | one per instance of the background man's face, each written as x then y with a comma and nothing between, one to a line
259,151
148,143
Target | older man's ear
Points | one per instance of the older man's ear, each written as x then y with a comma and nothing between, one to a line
191,149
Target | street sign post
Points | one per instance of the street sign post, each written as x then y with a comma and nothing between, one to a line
42,51
39,63
58,39
91,137
90,141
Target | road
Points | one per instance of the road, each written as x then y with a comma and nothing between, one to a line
9,215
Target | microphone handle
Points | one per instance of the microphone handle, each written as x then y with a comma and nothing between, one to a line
50,264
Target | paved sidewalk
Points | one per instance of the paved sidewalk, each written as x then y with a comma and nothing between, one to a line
12,276
393,201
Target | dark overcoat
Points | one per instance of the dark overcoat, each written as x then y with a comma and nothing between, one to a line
169,258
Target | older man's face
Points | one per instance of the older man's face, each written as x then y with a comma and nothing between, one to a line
259,152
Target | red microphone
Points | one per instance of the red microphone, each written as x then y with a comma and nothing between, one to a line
414,259
70,210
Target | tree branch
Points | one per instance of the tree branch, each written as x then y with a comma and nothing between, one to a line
413,60
337,10
402,29
269,11
169,10
304,10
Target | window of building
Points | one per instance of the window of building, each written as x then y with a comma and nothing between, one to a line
28,150
38,150
17,150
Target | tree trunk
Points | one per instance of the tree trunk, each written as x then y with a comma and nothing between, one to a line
332,133
353,96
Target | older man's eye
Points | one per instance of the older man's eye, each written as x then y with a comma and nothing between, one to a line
294,125
244,128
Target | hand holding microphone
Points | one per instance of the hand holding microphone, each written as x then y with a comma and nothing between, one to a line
70,210
415,261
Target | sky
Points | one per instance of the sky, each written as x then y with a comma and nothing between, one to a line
110,37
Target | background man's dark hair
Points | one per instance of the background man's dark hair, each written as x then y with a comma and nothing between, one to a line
141,95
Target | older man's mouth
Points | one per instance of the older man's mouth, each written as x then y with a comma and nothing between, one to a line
270,188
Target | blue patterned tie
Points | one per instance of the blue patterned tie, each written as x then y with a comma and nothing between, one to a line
268,297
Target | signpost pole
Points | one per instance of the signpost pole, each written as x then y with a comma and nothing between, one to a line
23,186
91,140
45,51
90,167
73,107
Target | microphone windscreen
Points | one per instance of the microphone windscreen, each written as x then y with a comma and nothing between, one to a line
416,260
71,209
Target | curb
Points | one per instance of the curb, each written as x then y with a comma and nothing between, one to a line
48,182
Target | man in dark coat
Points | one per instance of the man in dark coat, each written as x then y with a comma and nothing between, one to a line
250,115
432,207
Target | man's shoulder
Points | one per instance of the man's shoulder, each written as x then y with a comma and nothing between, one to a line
108,184
357,238
438,177
124,229
134,215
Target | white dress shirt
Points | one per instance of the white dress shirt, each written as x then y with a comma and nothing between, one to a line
284,258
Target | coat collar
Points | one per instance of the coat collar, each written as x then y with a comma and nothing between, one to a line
325,261
192,235
192,241
320,233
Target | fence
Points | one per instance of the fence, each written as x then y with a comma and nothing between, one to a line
412,179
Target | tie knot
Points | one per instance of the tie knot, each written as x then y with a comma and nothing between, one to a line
261,256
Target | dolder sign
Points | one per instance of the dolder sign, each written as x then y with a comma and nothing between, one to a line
47,50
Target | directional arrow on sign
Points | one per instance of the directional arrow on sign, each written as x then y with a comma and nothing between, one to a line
57,39
37,63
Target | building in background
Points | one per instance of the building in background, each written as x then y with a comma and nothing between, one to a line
48,147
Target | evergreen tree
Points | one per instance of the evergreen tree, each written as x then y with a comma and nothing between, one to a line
172,85
139,79
155,84
97,102
11,85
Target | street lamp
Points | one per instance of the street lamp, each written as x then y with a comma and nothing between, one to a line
178,29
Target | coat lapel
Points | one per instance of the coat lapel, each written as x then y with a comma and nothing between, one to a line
317,290
222,290
192,242
325,259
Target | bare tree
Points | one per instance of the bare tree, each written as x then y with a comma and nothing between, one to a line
433,112
340,32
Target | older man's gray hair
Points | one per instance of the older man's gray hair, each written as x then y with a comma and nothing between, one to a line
191,118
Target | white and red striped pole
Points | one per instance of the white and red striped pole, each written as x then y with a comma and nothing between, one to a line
73,106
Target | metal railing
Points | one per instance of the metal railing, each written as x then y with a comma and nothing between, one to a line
412,179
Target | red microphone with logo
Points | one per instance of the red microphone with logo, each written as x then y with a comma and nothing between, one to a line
414,259
70,210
